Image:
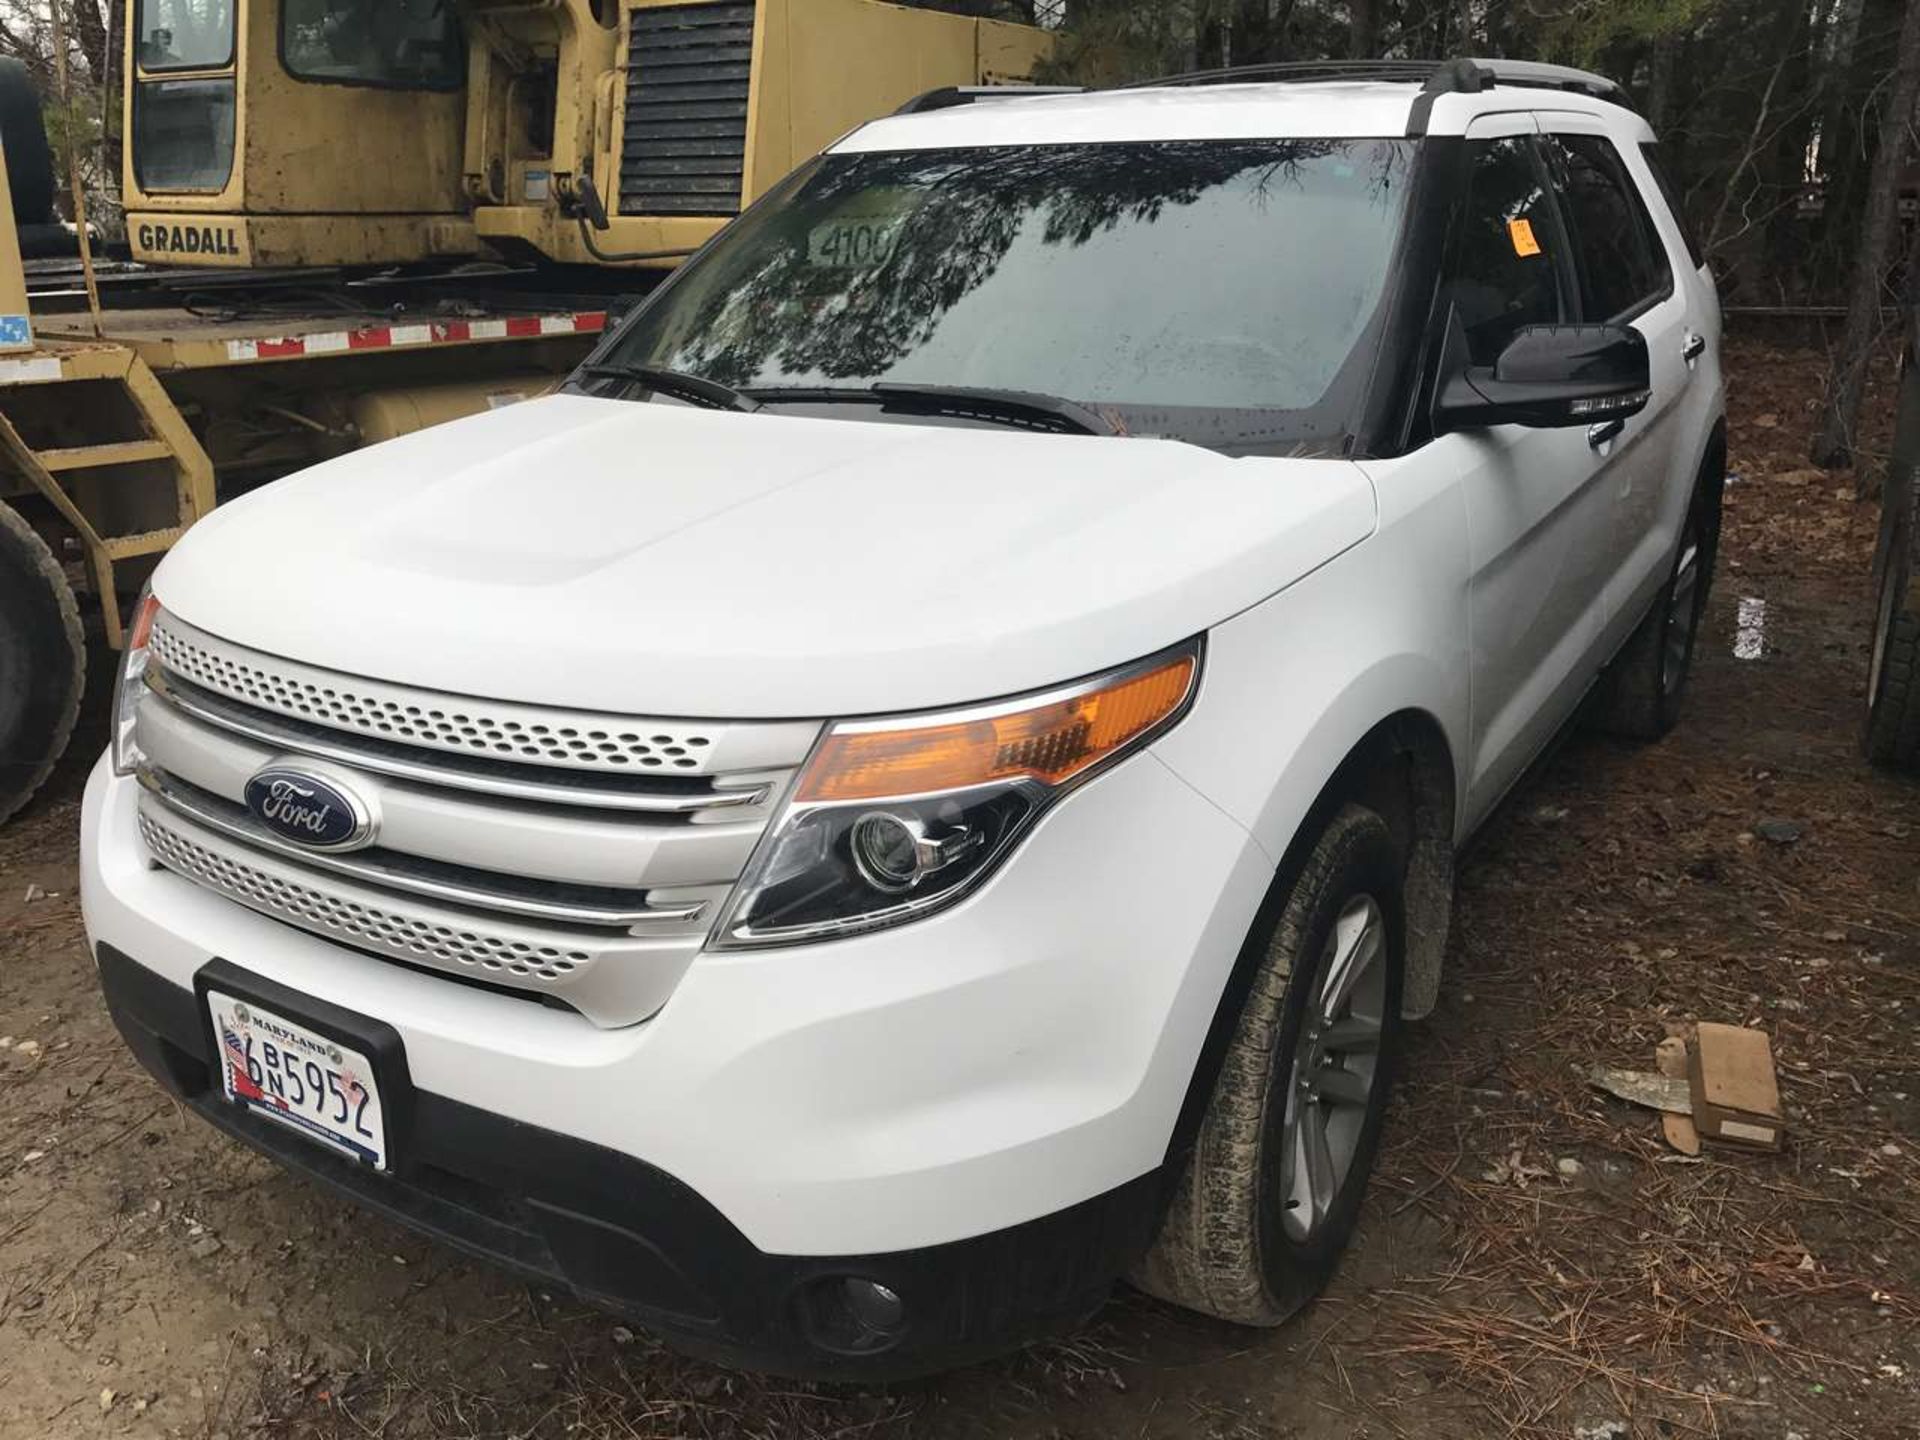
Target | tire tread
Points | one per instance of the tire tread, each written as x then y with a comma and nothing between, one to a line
1207,1256
23,551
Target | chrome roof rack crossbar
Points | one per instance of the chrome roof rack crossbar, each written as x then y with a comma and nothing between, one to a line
1435,77
948,96
1300,71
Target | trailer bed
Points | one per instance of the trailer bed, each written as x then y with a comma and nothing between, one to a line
174,339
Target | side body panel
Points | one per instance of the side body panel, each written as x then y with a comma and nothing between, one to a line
1659,505
1540,516
1652,463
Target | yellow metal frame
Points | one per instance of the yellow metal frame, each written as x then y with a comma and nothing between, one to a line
819,67
302,190
169,438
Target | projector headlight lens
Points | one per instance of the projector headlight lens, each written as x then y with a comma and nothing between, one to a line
892,819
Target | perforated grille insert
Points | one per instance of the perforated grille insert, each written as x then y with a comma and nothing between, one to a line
508,732
409,936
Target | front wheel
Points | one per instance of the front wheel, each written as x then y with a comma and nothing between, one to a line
1272,1189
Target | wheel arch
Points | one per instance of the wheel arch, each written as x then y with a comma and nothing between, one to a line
1404,766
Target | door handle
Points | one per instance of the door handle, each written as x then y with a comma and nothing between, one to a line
1693,347
1598,435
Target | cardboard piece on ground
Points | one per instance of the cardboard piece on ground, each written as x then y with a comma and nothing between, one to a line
1736,1095
1643,1087
1670,1058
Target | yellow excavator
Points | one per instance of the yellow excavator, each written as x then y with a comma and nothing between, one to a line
372,132
353,218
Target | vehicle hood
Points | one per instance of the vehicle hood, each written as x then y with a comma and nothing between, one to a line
657,559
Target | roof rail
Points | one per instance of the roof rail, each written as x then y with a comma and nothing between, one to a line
1435,77
948,96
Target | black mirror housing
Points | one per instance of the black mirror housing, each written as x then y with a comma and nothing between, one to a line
1549,376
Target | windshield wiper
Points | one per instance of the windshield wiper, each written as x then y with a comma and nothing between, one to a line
1007,407
694,389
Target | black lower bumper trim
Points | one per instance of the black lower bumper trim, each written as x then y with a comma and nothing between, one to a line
628,1236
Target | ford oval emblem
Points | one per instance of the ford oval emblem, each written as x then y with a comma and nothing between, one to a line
309,809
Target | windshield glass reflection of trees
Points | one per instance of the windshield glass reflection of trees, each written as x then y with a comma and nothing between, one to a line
1220,291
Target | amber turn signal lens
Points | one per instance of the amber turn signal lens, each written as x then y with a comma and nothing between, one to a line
141,627
1051,742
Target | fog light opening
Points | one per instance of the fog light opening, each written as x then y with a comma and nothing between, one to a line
852,1315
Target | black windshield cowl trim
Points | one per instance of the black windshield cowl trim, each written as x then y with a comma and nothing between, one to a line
694,389
1004,407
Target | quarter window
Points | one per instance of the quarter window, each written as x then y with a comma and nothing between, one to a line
1622,264
1650,152
1504,270
397,44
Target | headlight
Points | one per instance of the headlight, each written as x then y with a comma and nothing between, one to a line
891,819
131,685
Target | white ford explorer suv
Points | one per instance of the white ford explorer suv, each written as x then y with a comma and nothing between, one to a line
927,781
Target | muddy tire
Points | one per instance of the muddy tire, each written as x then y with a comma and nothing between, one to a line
1641,693
42,661
23,133
1893,677
1272,1188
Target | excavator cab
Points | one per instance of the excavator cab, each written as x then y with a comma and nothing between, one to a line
379,132
263,132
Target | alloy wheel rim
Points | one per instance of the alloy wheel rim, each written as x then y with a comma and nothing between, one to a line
1335,1061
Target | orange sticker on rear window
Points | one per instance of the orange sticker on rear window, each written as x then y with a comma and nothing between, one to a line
1521,232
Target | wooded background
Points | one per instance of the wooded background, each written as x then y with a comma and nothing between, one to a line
1788,124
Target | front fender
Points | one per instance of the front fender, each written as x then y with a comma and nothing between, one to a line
1293,684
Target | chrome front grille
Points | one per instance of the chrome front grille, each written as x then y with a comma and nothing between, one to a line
420,935
585,879
501,730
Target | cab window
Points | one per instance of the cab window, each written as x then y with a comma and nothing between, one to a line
184,34
1504,269
1622,265
395,44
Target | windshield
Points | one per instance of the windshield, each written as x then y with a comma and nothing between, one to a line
1222,292
184,34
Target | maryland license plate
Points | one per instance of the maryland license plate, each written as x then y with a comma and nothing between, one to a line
305,1080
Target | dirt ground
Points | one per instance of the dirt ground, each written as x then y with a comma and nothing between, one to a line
1534,1260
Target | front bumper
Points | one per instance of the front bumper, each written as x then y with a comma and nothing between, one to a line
629,1237
976,1105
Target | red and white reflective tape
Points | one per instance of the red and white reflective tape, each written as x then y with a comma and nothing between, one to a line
439,332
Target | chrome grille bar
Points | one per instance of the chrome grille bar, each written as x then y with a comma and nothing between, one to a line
611,978
508,732
265,728
203,811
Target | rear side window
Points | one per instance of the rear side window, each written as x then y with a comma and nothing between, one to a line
1622,265
1650,152
1504,271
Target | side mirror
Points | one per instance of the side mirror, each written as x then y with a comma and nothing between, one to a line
1549,376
